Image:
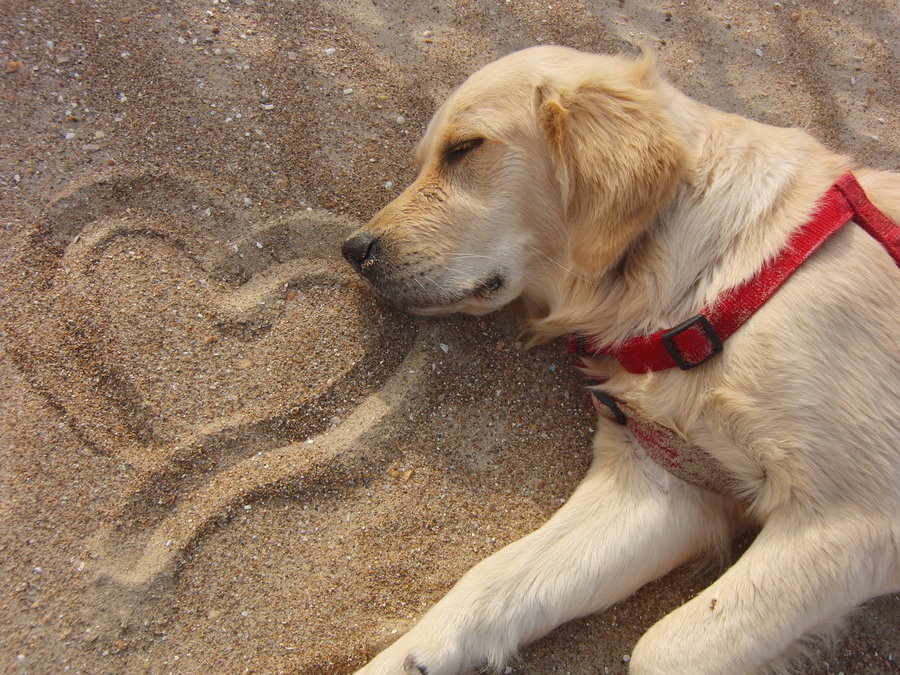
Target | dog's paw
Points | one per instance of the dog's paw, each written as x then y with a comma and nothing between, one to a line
403,660
413,666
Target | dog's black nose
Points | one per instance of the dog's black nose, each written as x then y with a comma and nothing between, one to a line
361,248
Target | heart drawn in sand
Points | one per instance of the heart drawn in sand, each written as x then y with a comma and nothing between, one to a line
264,365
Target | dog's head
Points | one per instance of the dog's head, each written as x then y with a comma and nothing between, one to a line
546,162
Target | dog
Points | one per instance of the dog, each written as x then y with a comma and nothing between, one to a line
602,203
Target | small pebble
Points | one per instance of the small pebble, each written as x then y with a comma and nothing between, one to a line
348,90
400,119
445,348
759,52
330,51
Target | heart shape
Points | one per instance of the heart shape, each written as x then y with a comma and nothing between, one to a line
254,373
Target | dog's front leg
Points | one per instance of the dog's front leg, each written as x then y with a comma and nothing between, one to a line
624,525
801,575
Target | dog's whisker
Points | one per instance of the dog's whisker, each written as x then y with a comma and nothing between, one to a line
442,292
463,273
558,264
421,285
471,255
434,283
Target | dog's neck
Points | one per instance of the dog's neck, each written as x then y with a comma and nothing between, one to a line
742,193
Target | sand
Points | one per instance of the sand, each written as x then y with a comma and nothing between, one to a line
219,453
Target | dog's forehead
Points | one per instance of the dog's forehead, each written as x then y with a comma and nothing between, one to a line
495,99
513,74
501,84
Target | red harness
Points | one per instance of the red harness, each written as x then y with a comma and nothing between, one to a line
700,338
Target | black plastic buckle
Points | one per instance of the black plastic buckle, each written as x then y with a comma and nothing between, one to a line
619,417
712,336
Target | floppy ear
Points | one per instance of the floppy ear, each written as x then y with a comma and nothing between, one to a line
617,159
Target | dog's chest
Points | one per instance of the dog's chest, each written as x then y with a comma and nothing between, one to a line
664,423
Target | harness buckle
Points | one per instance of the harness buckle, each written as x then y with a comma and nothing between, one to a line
602,398
698,321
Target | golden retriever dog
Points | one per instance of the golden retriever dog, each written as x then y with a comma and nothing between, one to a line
610,206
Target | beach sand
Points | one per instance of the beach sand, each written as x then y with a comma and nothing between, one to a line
219,452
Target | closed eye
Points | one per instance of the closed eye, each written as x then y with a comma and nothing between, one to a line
454,153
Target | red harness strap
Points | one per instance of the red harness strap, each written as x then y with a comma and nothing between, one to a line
666,447
700,338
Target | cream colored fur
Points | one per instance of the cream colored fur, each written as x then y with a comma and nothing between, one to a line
609,203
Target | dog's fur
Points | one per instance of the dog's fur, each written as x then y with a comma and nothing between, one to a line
606,202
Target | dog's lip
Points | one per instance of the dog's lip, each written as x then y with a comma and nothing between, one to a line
489,286
482,291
